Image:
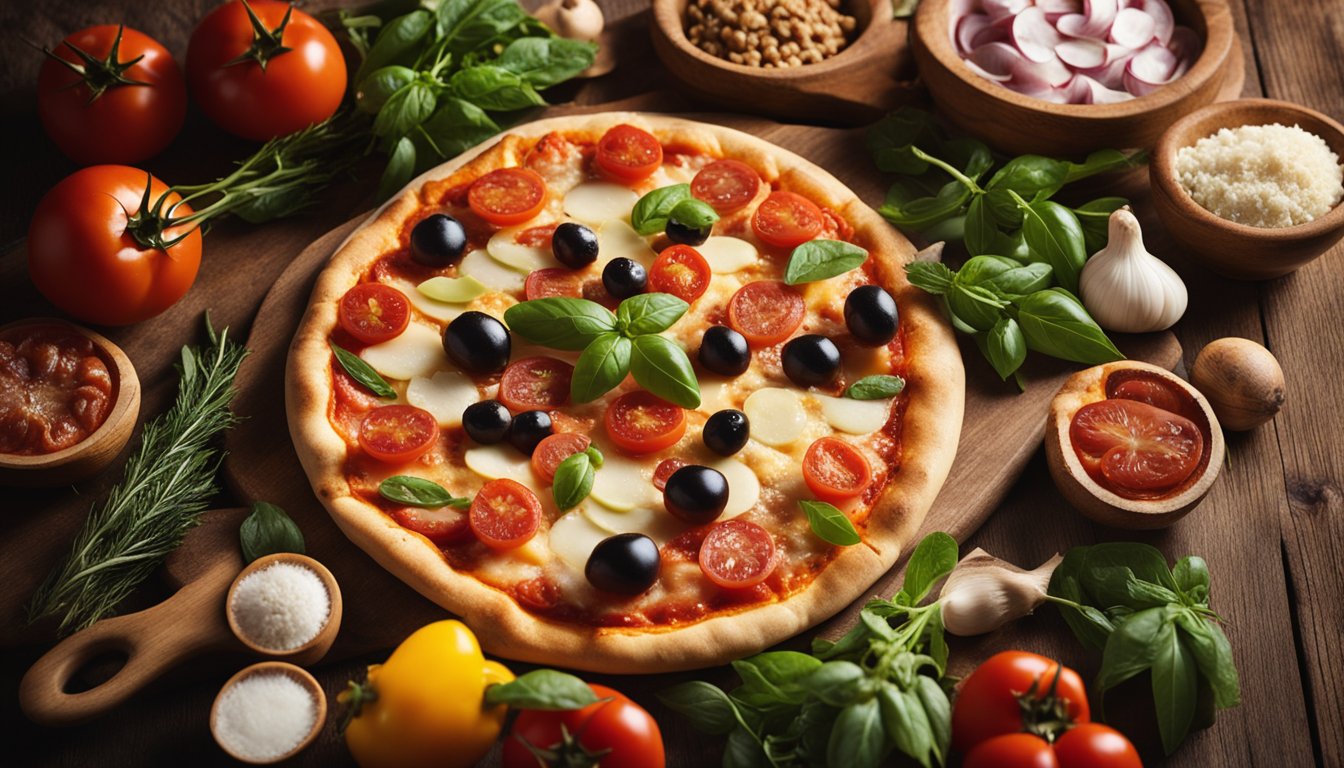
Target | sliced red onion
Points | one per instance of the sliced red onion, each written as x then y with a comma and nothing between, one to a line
1149,69
1054,9
1002,9
1133,28
1112,73
1034,36
1100,94
1081,54
968,29
977,69
1185,44
1095,21
1164,22
1003,59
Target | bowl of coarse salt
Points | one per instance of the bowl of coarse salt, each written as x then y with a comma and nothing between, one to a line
268,712
1253,189
285,606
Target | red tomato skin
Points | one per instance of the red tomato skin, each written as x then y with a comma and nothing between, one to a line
628,154
743,538
616,723
681,271
636,444
82,259
479,199
441,526
854,460
1093,745
727,185
758,296
300,87
1015,750
787,219
535,383
553,450
127,123
393,316
481,511
403,454
552,281
986,705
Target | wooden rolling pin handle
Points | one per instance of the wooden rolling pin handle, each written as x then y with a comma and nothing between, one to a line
154,640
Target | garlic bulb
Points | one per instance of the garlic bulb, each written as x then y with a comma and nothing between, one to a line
1128,289
581,20
983,593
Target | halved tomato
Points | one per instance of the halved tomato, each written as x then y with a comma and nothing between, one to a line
737,554
681,271
552,281
374,313
787,219
504,514
507,196
640,422
726,185
554,449
442,526
836,471
398,434
1133,448
535,384
1149,388
765,312
627,154
664,470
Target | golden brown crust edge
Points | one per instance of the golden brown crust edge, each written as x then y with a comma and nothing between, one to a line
932,425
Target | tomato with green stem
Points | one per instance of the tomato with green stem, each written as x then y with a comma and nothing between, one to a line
614,732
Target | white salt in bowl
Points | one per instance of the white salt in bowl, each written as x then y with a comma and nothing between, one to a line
223,735
314,649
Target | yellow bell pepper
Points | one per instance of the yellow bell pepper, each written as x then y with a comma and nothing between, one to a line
424,706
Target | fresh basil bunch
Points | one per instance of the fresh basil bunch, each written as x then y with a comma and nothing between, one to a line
432,78
1122,599
848,704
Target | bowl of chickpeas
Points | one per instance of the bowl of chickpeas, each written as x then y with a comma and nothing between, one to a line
820,61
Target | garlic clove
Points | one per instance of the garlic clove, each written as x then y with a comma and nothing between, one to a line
1127,289
983,593
581,20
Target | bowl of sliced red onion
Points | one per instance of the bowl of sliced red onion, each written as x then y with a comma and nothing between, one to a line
1065,77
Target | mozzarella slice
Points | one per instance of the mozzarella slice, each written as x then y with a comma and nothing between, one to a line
744,488
436,310
452,290
617,239
657,524
445,396
857,417
777,416
491,273
573,538
597,201
509,252
728,254
495,461
418,351
623,484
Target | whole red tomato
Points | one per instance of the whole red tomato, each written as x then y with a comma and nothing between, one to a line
83,257
618,725
264,69
989,701
1088,745
109,94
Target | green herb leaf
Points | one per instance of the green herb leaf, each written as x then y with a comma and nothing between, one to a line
404,110
455,127
1133,646
395,43
1021,280
452,290
491,87
595,456
651,211
906,723
1104,161
542,689
920,213
268,530
400,168
602,366
1030,176
858,740
469,25
693,214
743,750
981,233
1089,625
1191,574
1213,654
573,481
830,524
837,683
1053,232
975,306
661,367
709,709
378,87
546,61
559,322
649,313
875,387
1056,324
930,276
822,259
419,492
1005,347
933,558
938,710
1175,692
362,372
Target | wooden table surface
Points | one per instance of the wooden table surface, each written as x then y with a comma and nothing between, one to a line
1271,529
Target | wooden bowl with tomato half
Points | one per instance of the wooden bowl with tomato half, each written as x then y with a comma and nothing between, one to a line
1132,445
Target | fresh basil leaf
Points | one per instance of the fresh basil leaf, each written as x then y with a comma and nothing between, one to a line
1095,219
268,530
546,61
822,259
1104,161
1175,692
400,168
979,270
969,155
1021,280
404,110
455,127
1191,574
378,87
649,216
396,43
930,276
1030,175
836,683
1133,647
573,481
1053,233
853,644
906,723
693,214
1146,562
560,322
602,366
877,625
938,710
768,685
468,25
709,709
1056,324
1005,347
1213,654
830,524
934,557
362,372
981,232
542,689
419,492
743,750
975,306
649,313
938,650
1089,625
858,740
947,230
1002,209
812,728
781,668
661,367
491,87
900,128
875,387
921,213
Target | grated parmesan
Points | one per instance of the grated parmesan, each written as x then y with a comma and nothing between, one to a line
1262,175
264,716
281,606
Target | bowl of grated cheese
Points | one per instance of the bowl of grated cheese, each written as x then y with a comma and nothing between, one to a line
1253,189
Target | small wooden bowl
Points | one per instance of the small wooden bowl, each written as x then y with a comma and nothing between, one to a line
1019,124
87,457
1089,497
299,675
857,85
1237,250
312,651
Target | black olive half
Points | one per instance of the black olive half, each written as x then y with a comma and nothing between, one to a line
528,429
724,351
811,360
626,564
438,241
726,432
486,422
477,343
574,245
870,314
696,494
686,234
624,278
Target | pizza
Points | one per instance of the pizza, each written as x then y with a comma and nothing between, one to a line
626,392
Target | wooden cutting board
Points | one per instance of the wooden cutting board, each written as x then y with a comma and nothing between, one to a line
1002,428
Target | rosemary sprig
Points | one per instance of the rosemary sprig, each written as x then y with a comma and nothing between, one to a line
165,487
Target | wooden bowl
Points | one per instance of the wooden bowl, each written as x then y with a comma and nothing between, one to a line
87,457
299,675
857,85
312,651
1019,124
1237,250
1089,497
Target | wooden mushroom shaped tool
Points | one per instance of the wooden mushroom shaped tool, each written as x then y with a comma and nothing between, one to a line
582,20
1122,462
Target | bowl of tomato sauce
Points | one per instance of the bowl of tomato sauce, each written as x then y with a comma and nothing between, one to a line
1132,445
68,402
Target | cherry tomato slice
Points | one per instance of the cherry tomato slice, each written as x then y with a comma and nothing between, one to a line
640,422
507,196
555,449
535,384
737,554
1138,449
786,220
628,154
1152,389
726,185
442,526
836,471
552,281
536,237
766,312
398,434
504,514
664,471
374,313
681,271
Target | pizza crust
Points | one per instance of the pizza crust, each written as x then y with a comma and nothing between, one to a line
932,425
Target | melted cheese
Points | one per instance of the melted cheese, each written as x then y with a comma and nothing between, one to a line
657,524
434,310
623,484
594,202
617,239
857,417
573,538
495,461
726,255
491,273
445,396
777,416
504,248
418,351
744,488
